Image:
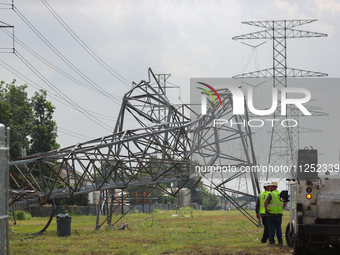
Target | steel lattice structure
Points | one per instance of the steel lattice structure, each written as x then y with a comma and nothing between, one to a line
284,142
159,151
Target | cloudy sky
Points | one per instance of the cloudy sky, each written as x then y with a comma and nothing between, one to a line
183,38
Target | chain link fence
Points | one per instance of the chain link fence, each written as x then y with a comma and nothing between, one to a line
4,186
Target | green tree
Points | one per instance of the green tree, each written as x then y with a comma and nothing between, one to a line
44,129
30,119
209,201
16,112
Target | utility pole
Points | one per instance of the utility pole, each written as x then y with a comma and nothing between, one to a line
4,187
23,149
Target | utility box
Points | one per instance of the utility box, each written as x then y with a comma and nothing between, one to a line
184,197
63,225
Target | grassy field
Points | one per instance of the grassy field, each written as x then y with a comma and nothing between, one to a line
202,232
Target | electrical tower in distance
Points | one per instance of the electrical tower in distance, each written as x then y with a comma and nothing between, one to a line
284,141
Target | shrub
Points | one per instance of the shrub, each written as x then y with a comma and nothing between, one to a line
74,210
188,209
64,209
28,216
157,210
20,215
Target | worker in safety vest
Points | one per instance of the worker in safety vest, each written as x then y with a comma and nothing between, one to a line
260,210
274,208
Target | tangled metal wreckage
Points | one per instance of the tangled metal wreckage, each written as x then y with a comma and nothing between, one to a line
158,154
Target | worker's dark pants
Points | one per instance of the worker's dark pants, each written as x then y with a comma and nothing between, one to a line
274,225
265,235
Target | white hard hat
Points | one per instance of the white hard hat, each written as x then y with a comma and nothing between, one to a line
266,183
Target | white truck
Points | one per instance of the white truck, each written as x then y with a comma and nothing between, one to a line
314,207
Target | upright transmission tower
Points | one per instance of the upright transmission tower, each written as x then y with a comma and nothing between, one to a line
284,141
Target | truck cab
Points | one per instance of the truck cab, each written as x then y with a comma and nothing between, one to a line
314,207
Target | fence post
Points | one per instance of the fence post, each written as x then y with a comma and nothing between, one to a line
4,187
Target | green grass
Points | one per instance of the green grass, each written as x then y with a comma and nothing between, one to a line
207,232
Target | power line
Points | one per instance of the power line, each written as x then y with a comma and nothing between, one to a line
60,55
61,94
70,133
106,36
85,46
63,130
42,59
50,94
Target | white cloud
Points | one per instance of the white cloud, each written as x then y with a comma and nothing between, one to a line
328,5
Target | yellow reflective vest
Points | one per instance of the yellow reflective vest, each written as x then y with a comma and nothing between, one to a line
263,197
275,206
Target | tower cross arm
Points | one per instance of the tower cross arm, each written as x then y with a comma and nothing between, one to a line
279,33
293,72
265,73
295,33
280,72
265,34
279,23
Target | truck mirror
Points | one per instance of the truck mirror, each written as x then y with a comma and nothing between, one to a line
284,197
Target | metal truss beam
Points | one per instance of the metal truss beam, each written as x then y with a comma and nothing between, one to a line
287,23
280,72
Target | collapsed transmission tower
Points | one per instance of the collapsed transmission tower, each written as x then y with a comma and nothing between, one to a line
154,156
284,141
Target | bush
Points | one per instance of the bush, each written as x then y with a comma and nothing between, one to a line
64,209
74,210
188,209
21,215
157,210
28,216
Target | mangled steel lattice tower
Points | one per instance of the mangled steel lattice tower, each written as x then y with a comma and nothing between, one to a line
159,151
